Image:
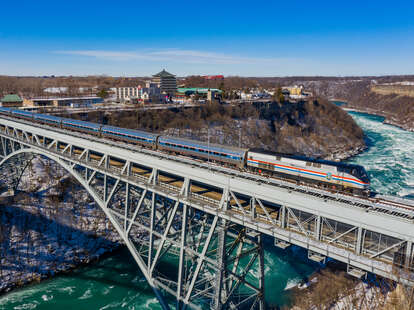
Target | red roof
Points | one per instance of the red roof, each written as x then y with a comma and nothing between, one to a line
213,77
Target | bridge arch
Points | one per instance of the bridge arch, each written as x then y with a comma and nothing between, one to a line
98,200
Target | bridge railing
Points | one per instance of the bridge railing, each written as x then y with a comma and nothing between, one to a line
349,243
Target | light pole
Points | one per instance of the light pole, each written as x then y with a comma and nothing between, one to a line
208,145
239,135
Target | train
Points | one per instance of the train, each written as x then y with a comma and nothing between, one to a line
302,170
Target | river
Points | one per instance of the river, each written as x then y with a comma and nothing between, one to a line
114,282
389,159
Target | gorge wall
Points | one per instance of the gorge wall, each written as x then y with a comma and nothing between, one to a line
314,128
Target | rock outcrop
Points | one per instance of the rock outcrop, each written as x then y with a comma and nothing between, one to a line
315,128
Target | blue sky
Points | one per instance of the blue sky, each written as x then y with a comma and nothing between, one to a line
247,38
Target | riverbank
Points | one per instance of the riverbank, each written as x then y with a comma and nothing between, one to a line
388,117
397,110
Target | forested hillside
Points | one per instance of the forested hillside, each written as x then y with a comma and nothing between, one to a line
313,128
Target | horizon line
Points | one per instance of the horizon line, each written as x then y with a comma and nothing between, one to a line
201,75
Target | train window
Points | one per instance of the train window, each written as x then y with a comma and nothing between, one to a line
278,158
308,164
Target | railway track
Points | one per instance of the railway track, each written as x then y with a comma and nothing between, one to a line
392,206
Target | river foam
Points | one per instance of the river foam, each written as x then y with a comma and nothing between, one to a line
389,159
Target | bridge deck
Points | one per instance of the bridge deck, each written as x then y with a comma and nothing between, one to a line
368,234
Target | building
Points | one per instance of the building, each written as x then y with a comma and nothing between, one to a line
197,90
73,102
70,91
127,93
11,101
138,94
294,92
206,93
167,82
245,96
213,77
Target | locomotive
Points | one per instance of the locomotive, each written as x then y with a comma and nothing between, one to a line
323,173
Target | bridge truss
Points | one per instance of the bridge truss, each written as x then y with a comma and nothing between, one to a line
210,224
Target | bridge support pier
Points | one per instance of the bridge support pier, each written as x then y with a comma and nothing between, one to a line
408,254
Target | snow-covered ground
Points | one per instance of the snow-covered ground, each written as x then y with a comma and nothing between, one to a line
52,225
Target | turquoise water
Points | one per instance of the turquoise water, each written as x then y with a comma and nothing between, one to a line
115,283
389,159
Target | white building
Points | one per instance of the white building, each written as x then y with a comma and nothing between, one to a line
245,96
151,91
127,93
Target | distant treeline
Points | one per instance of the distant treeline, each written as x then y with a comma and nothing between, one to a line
33,86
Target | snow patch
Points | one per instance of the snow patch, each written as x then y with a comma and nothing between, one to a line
291,283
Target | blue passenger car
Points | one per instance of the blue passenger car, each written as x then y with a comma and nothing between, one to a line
88,127
130,135
5,111
22,114
215,152
48,119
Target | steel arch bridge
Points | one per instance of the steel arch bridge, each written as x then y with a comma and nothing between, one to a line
212,220
154,226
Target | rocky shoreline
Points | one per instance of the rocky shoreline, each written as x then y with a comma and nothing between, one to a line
348,154
332,288
388,118
397,124
397,110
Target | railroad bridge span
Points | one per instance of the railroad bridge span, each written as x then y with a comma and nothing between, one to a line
212,219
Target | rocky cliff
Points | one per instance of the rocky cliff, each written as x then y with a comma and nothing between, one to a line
396,104
391,97
311,128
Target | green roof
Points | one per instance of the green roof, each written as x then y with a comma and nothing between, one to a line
11,98
163,73
197,90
